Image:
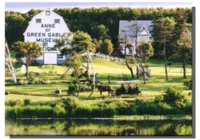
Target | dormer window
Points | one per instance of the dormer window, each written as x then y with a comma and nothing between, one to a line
38,20
57,21
47,13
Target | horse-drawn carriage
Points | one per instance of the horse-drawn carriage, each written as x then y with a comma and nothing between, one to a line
119,91
130,91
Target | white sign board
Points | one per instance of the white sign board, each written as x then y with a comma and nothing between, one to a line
50,58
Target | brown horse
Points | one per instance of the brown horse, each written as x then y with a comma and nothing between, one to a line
102,88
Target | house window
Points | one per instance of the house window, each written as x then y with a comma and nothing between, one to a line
60,56
47,13
56,20
38,20
45,44
144,38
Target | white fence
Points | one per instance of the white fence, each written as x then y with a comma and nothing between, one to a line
104,56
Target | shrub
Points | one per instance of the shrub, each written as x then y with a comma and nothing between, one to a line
28,111
10,112
59,111
50,73
133,109
188,84
188,108
82,87
176,111
7,72
7,92
43,74
80,71
158,99
33,73
163,108
71,89
13,102
41,111
83,111
30,79
38,82
142,108
70,105
108,112
152,109
122,108
96,111
64,76
27,101
53,104
138,101
174,97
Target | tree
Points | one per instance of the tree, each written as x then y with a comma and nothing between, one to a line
128,59
28,50
82,42
79,44
135,30
75,18
182,40
9,63
145,51
184,48
100,32
75,63
163,28
106,47
14,27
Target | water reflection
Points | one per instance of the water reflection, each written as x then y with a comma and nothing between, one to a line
99,127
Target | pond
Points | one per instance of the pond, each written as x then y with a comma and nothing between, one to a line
92,127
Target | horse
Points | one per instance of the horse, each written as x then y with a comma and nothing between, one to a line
102,88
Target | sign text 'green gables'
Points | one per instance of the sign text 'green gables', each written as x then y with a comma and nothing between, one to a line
43,34
46,35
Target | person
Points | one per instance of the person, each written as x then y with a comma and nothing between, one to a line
145,76
122,88
129,88
57,90
136,88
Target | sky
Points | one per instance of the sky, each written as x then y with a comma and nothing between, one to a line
26,6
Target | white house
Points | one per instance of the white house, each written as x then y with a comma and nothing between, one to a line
134,32
45,28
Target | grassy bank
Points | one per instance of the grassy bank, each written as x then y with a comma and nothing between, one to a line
73,107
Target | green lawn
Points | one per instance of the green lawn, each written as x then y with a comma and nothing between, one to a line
156,84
